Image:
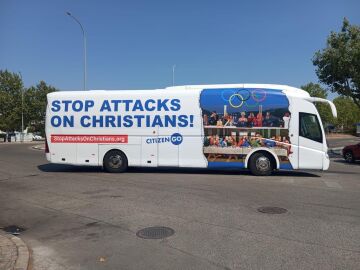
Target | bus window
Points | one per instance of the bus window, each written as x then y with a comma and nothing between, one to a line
310,127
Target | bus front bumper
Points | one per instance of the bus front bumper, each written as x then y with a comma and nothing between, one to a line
326,162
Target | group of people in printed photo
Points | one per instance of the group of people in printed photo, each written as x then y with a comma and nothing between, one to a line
233,130
247,120
256,140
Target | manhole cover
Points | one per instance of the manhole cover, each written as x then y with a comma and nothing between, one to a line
155,233
13,229
272,210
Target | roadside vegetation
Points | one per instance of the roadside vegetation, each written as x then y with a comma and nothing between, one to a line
34,103
338,69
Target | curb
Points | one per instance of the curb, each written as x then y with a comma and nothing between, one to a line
23,254
340,136
336,150
23,257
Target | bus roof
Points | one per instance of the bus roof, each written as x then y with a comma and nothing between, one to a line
289,90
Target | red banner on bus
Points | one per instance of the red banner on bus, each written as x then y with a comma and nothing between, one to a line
76,138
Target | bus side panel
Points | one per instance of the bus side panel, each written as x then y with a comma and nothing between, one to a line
191,148
63,153
167,152
294,133
191,152
87,154
149,151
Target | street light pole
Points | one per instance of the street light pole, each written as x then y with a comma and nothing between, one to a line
84,36
173,73
22,111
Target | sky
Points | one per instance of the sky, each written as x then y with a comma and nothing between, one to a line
134,44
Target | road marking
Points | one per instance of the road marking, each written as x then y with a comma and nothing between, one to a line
332,184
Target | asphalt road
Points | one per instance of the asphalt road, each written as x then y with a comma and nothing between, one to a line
83,218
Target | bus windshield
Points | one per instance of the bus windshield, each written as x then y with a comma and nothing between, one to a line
310,127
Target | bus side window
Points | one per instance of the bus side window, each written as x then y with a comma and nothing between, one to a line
310,127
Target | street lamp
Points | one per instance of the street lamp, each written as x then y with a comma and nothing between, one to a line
84,36
22,111
173,73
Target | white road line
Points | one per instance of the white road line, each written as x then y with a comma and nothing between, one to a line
332,184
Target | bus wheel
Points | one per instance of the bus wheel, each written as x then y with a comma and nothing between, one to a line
349,157
115,161
261,164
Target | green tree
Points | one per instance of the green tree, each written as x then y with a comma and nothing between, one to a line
11,86
338,65
35,98
348,113
315,90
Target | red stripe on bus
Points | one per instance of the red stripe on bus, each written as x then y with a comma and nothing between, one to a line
79,138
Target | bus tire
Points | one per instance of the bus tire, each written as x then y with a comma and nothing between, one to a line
261,164
115,161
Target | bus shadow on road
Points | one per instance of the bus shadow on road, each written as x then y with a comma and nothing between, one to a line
54,168
296,174
238,172
61,168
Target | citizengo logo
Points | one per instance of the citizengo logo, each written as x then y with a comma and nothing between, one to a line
175,139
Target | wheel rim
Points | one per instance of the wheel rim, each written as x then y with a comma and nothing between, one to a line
263,164
348,157
115,161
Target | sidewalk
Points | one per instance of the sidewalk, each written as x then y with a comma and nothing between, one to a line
14,254
19,142
339,136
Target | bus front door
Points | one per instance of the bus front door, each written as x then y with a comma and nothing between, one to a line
311,153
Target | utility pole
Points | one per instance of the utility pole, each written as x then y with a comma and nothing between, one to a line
173,74
22,111
84,39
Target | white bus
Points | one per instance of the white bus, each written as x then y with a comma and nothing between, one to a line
255,126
